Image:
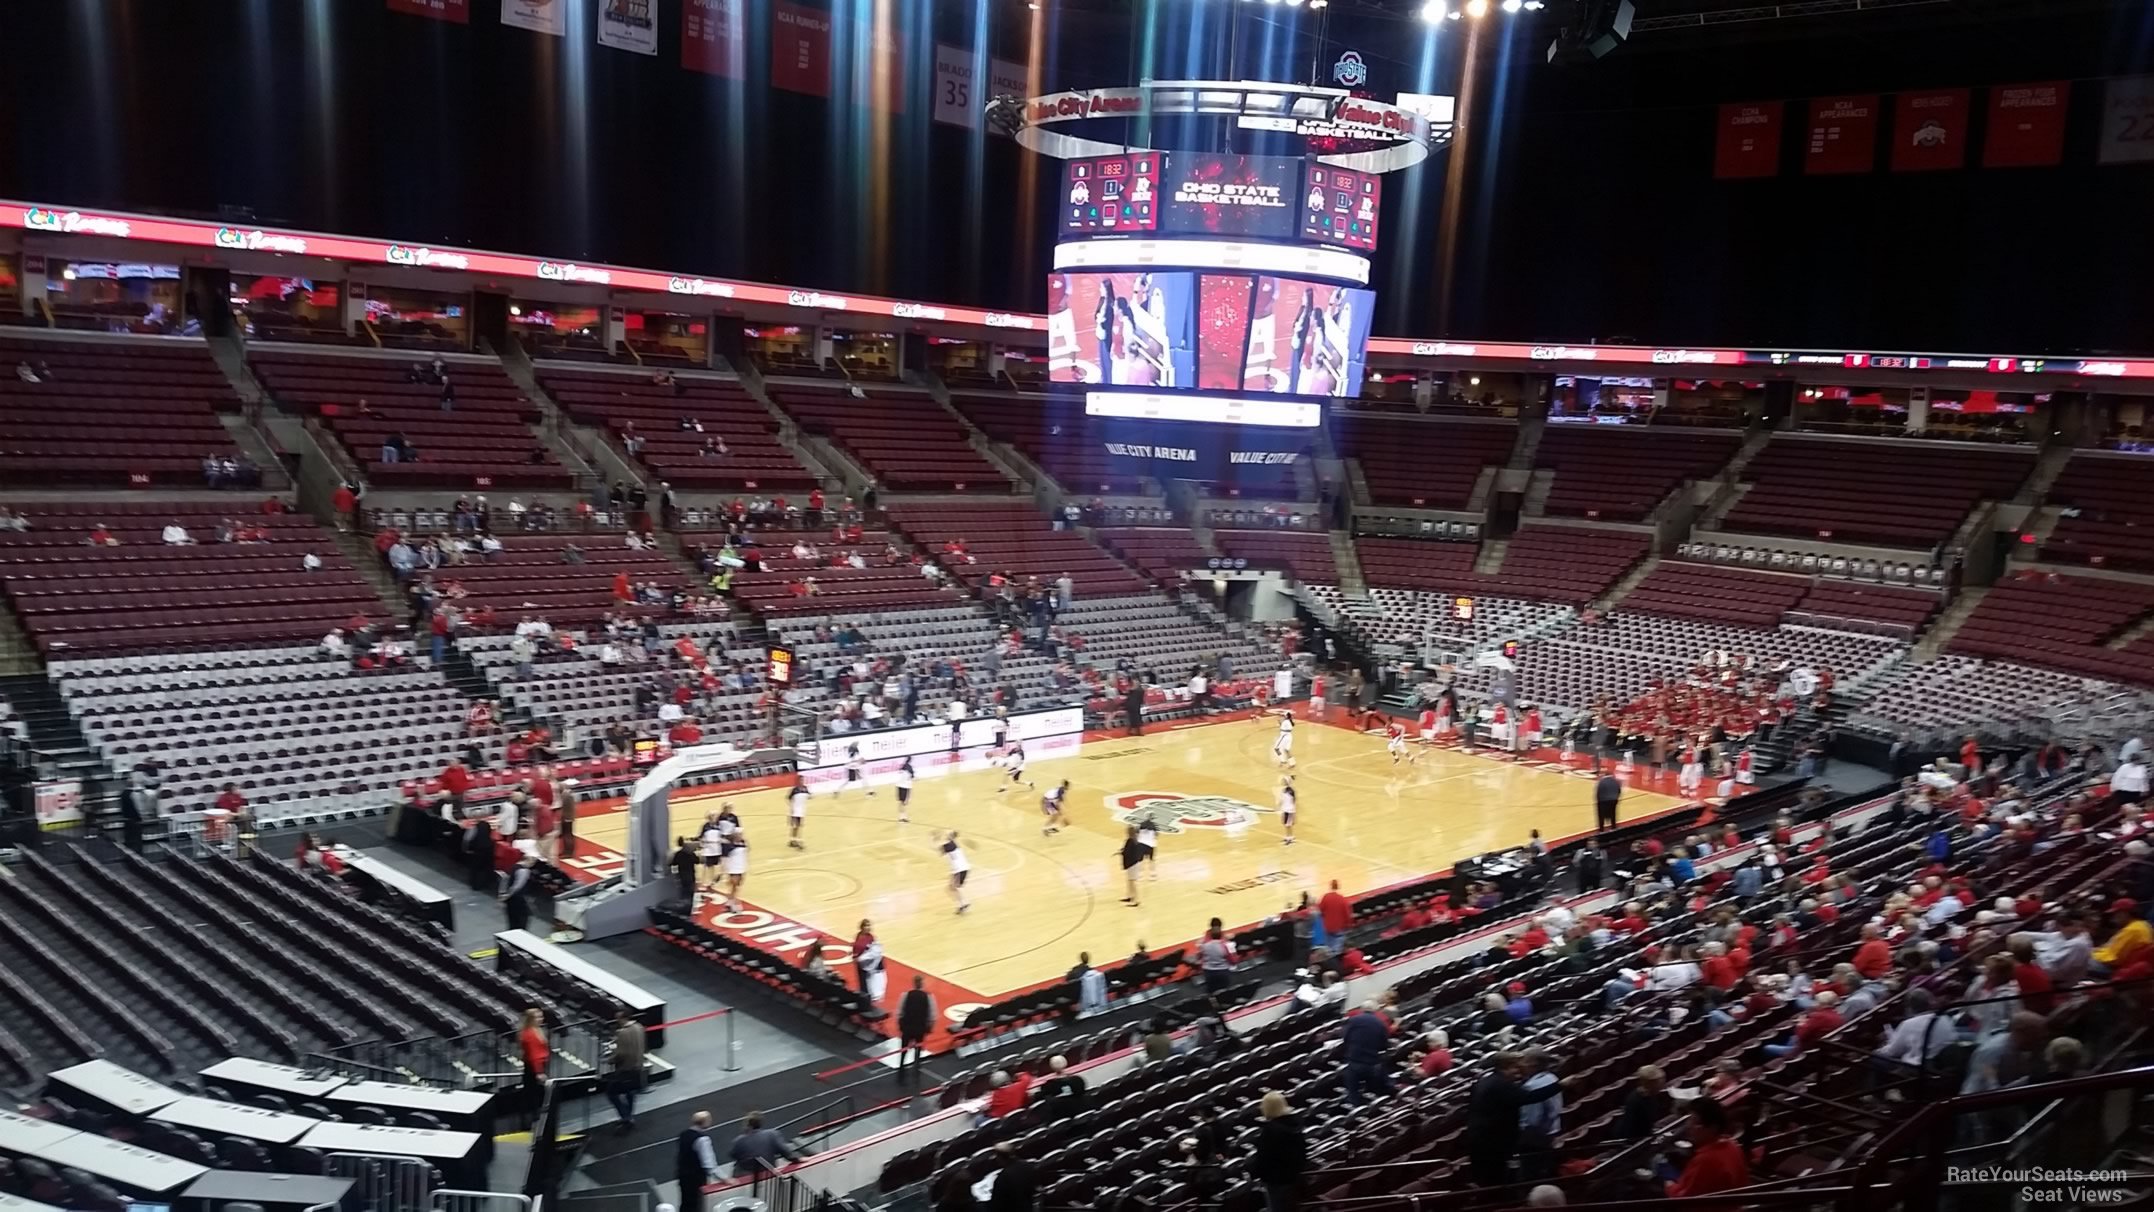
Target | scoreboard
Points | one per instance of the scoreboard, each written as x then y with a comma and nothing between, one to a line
1111,193
1340,207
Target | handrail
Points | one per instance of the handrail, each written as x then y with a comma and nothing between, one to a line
842,1103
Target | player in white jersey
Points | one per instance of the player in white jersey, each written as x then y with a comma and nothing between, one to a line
1282,749
1015,765
796,811
736,870
904,791
710,847
856,771
1287,804
960,867
1148,838
1051,808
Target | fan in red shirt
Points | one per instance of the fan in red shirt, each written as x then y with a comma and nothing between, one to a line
1414,918
1010,1097
1716,1161
1336,911
685,733
1717,970
1874,957
456,780
2037,991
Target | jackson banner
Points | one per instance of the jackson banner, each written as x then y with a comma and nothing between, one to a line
630,25
2026,125
538,16
456,11
1929,130
1747,140
712,39
1842,136
2128,121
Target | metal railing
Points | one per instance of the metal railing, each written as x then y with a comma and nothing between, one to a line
382,1184
474,1060
447,1200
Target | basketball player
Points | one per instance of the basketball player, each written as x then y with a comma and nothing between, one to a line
1015,764
1282,750
960,867
904,791
1132,861
736,870
1396,746
1426,724
1051,809
1286,807
1316,697
1148,837
710,846
856,770
1002,729
796,811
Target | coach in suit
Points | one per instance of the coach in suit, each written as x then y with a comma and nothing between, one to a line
1607,791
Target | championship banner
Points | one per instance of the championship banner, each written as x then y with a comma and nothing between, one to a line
457,11
1929,130
538,16
955,104
1747,140
2026,125
800,49
629,25
712,39
1842,135
2128,121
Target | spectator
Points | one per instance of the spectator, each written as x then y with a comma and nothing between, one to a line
1716,1160
695,1162
624,1068
1282,1154
916,1021
2009,1056
1541,1123
1873,958
175,535
1437,1060
1547,1195
1492,1120
2132,935
1006,1094
1645,1106
1917,1039
1823,1019
758,1150
1063,1091
1365,1039
1336,913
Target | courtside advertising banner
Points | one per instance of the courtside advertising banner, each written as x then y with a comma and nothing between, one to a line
712,40
538,16
1746,142
630,25
1929,130
1842,135
456,11
2026,125
2128,121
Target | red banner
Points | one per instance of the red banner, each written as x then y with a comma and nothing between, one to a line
1929,130
458,11
1842,136
1747,140
800,49
712,40
2026,125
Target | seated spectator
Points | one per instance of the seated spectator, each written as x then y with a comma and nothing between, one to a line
1716,1159
175,535
2132,936
1006,1094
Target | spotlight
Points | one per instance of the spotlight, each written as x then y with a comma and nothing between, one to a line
1319,3
1271,1
1454,14
1432,11
1512,6
515,310
1477,9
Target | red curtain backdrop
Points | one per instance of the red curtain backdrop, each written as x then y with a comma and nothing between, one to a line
1842,135
800,49
458,11
1747,140
711,37
2026,125
1929,130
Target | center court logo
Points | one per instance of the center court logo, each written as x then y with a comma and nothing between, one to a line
1172,811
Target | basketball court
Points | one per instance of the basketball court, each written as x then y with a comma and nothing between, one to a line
1038,901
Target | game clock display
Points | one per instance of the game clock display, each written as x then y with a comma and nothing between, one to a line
1339,207
780,668
1111,193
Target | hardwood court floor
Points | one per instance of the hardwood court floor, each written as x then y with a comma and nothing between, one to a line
1038,901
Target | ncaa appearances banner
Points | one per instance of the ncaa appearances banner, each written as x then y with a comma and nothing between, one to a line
1929,130
2128,121
538,16
456,11
1842,136
1746,142
628,25
2026,125
713,40
801,62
